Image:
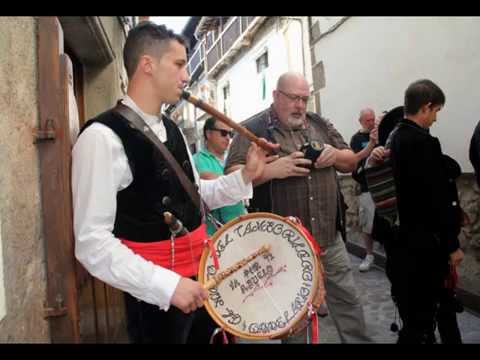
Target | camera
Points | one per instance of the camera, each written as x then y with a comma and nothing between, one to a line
312,151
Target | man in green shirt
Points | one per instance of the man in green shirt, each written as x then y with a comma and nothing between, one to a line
210,163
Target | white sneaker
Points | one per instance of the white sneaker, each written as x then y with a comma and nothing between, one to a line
366,263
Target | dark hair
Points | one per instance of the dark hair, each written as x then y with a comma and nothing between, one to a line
422,92
209,125
147,38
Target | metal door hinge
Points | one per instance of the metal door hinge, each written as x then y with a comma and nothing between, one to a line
47,133
57,311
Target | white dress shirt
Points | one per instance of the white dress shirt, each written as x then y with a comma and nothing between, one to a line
99,170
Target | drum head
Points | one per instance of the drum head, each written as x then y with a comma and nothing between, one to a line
266,297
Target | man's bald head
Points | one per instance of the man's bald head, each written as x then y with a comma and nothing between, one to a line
367,119
290,99
289,78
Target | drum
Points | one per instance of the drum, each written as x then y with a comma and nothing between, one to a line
381,185
271,275
380,180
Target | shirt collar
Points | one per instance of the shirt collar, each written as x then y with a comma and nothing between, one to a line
149,119
205,151
415,125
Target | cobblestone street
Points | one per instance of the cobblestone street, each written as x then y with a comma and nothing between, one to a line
379,310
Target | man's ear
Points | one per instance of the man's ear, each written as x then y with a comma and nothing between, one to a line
145,64
425,108
275,94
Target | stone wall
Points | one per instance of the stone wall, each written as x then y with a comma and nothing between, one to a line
21,224
20,205
105,85
469,195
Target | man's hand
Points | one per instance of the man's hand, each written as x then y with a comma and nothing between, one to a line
379,155
189,295
374,135
255,162
327,158
291,165
456,257
465,219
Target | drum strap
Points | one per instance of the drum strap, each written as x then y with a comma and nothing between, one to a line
213,253
224,336
189,187
314,321
137,122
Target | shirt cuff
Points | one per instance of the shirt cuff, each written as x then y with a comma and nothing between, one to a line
246,189
163,285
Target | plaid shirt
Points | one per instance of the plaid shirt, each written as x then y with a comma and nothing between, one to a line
313,198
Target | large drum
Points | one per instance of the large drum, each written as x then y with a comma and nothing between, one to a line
267,293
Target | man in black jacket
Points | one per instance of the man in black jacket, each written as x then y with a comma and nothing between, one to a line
427,243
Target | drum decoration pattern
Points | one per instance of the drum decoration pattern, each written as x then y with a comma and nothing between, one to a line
268,296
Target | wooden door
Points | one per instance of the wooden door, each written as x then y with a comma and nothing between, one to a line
80,308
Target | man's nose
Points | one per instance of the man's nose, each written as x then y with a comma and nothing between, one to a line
185,77
300,104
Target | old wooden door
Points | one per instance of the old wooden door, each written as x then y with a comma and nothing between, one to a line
79,307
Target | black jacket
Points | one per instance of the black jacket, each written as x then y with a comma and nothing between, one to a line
474,151
427,214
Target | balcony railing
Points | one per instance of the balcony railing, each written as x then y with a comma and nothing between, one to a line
237,27
197,59
217,49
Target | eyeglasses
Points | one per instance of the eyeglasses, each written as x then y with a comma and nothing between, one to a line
295,98
224,132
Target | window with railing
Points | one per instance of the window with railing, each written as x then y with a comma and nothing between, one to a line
262,65
226,99
196,58
231,34
262,62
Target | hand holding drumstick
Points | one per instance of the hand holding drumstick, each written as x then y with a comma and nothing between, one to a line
218,278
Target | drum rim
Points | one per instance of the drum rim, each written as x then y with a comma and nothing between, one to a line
298,317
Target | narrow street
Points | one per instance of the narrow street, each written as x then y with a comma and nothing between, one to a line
379,310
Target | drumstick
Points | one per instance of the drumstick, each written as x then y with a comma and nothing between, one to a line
218,115
217,279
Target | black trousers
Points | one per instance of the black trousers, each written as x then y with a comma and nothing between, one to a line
447,317
146,323
417,275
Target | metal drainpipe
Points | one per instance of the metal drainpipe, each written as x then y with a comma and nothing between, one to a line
303,51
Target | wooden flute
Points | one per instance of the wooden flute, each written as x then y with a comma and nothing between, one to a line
218,115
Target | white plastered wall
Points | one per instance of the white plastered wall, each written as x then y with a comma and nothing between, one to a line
370,61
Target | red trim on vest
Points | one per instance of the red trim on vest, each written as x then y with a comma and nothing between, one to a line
185,262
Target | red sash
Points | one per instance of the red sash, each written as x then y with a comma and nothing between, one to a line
187,251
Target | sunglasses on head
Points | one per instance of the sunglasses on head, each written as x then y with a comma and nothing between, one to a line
224,132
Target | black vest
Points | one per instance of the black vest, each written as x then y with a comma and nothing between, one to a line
155,187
